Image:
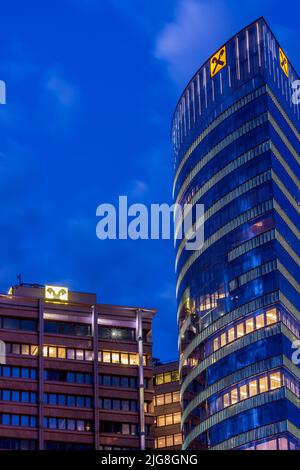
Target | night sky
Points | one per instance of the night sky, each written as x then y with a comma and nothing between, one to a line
91,88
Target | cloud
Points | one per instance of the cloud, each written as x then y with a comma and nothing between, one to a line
138,189
199,28
59,89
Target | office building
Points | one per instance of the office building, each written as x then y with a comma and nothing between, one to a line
77,375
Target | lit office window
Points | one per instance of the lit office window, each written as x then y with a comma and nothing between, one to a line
260,321
271,316
263,384
275,380
249,325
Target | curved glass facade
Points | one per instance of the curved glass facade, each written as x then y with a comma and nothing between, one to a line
236,144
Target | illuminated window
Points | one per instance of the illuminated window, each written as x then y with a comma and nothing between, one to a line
177,439
34,350
234,396
169,419
88,355
115,358
45,351
249,325
176,397
161,421
283,443
260,321
175,376
124,359
25,349
240,330
275,380
159,379
244,392
133,359
145,361
106,357
167,377
160,442
80,354
271,316
62,353
216,344
226,400
223,340
177,418
231,335
168,398
263,384
253,388
169,441
160,400
52,351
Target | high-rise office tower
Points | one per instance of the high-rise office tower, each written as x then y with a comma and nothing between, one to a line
236,143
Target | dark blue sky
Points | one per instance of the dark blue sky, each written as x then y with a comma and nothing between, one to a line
91,88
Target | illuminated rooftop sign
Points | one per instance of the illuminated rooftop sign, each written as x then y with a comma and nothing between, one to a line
218,61
284,64
56,293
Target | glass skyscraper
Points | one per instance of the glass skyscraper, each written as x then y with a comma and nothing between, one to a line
235,135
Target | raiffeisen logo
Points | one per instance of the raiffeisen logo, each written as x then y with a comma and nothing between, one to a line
2,92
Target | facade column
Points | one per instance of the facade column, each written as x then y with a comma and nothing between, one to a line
139,336
96,376
41,374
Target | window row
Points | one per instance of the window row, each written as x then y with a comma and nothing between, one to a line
60,399
121,405
166,420
63,424
168,441
166,377
10,323
110,357
121,381
167,398
245,327
18,396
18,372
280,443
9,443
127,429
115,334
24,421
60,352
66,328
248,389
70,377
67,446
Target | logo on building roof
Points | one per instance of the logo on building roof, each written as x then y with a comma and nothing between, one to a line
284,64
56,293
218,61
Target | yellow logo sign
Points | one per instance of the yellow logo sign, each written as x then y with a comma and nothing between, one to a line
56,293
284,64
218,62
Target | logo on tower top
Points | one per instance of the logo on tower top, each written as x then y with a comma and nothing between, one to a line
218,61
284,64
